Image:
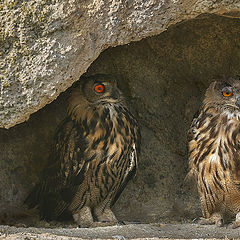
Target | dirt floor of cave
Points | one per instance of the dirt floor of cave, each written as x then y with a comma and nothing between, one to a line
129,231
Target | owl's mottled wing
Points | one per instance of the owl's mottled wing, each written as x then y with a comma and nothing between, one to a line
190,133
236,160
131,172
57,185
132,156
192,143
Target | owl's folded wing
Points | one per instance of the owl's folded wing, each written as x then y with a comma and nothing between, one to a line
57,185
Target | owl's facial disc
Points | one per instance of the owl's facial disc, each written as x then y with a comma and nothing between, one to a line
99,89
115,94
230,95
106,92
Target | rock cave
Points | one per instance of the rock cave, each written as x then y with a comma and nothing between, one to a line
163,75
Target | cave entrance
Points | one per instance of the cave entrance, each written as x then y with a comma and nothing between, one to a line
163,78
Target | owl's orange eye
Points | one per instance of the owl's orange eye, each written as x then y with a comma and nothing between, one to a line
99,88
226,92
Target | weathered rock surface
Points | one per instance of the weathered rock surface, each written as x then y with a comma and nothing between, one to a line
46,45
137,232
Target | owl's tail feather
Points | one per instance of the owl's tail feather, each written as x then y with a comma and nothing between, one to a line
51,205
32,199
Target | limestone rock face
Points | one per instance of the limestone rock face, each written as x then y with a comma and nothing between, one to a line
47,45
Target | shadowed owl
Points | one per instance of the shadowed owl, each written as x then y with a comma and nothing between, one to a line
214,152
94,156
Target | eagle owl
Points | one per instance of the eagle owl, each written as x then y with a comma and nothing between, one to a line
214,152
94,156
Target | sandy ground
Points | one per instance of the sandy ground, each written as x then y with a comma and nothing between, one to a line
131,231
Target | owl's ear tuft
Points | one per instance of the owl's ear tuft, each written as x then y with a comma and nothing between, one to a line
227,84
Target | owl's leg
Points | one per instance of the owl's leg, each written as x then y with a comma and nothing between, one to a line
105,215
83,217
215,218
236,223
211,212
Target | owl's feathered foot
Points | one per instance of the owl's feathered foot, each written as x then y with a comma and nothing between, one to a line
84,217
236,223
104,217
216,219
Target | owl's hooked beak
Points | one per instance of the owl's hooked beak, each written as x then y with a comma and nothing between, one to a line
238,102
115,94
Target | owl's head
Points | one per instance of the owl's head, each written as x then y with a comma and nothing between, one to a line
93,92
224,94
100,89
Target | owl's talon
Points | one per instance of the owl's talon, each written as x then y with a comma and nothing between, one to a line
233,225
136,222
219,223
236,223
229,226
216,219
121,223
195,220
204,221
